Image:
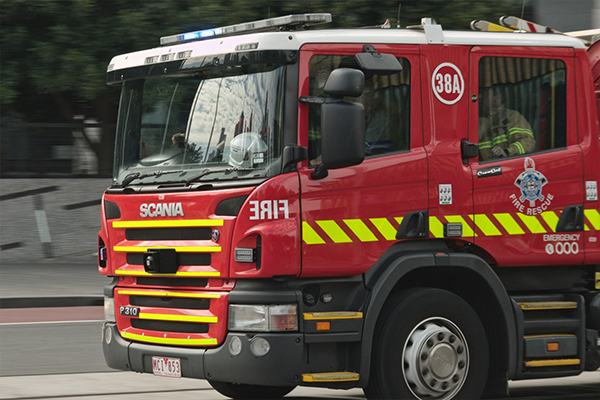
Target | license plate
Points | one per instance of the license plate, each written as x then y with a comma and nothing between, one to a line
164,366
129,311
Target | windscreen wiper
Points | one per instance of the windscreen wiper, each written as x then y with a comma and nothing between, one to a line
138,175
209,171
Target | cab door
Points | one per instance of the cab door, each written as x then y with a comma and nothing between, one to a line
528,186
351,216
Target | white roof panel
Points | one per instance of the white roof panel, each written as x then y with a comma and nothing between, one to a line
295,40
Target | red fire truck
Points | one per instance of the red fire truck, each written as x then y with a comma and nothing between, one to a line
410,211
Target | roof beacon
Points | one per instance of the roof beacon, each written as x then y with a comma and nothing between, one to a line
288,22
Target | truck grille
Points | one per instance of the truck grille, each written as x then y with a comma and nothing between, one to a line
197,255
168,234
172,317
180,282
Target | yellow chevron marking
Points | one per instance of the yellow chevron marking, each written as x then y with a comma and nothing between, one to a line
457,219
184,318
159,340
508,222
179,249
169,294
399,220
533,224
436,227
551,219
487,227
593,216
385,228
333,230
167,223
309,235
362,232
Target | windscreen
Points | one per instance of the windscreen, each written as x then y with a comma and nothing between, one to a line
216,124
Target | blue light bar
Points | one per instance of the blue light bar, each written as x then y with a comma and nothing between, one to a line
290,21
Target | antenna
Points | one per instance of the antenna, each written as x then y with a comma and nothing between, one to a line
399,6
523,10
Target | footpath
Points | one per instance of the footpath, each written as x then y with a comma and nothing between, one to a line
69,281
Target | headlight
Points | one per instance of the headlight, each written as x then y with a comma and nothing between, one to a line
109,309
263,318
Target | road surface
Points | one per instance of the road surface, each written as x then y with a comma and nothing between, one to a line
55,353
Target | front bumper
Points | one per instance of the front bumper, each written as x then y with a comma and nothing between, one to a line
281,366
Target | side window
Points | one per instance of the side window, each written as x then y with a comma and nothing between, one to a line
387,106
522,106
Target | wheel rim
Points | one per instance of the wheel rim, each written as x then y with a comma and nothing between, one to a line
435,359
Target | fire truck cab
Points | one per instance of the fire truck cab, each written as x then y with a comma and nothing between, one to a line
410,211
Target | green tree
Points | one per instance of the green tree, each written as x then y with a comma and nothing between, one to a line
54,53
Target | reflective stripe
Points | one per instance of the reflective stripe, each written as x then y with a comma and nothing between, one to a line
436,227
361,231
551,219
486,225
483,222
333,230
519,147
207,274
309,235
500,139
594,217
167,223
385,228
169,294
514,131
485,145
509,224
179,249
160,340
181,318
532,223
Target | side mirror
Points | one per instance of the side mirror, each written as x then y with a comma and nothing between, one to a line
343,122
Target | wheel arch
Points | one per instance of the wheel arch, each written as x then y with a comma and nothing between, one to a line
466,275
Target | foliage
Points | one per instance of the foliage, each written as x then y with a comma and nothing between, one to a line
54,53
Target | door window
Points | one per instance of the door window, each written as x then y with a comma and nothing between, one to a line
522,107
386,99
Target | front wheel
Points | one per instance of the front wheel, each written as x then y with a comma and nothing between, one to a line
429,344
250,392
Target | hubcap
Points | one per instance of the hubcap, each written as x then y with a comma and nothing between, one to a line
436,359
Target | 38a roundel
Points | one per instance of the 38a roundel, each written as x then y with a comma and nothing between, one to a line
447,83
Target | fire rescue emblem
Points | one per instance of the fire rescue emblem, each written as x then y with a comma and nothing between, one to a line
530,182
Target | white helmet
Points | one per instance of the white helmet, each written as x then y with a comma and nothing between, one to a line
247,150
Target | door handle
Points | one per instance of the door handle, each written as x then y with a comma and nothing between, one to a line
414,225
571,219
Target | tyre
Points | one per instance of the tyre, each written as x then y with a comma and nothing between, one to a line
240,391
428,344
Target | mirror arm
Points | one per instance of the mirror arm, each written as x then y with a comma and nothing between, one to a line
312,100
293,154
320,172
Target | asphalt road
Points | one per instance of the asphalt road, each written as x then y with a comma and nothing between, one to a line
55,353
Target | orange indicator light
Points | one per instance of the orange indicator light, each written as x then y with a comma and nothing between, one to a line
552,346
323,326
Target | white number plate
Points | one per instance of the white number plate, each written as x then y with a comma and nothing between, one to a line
163,366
